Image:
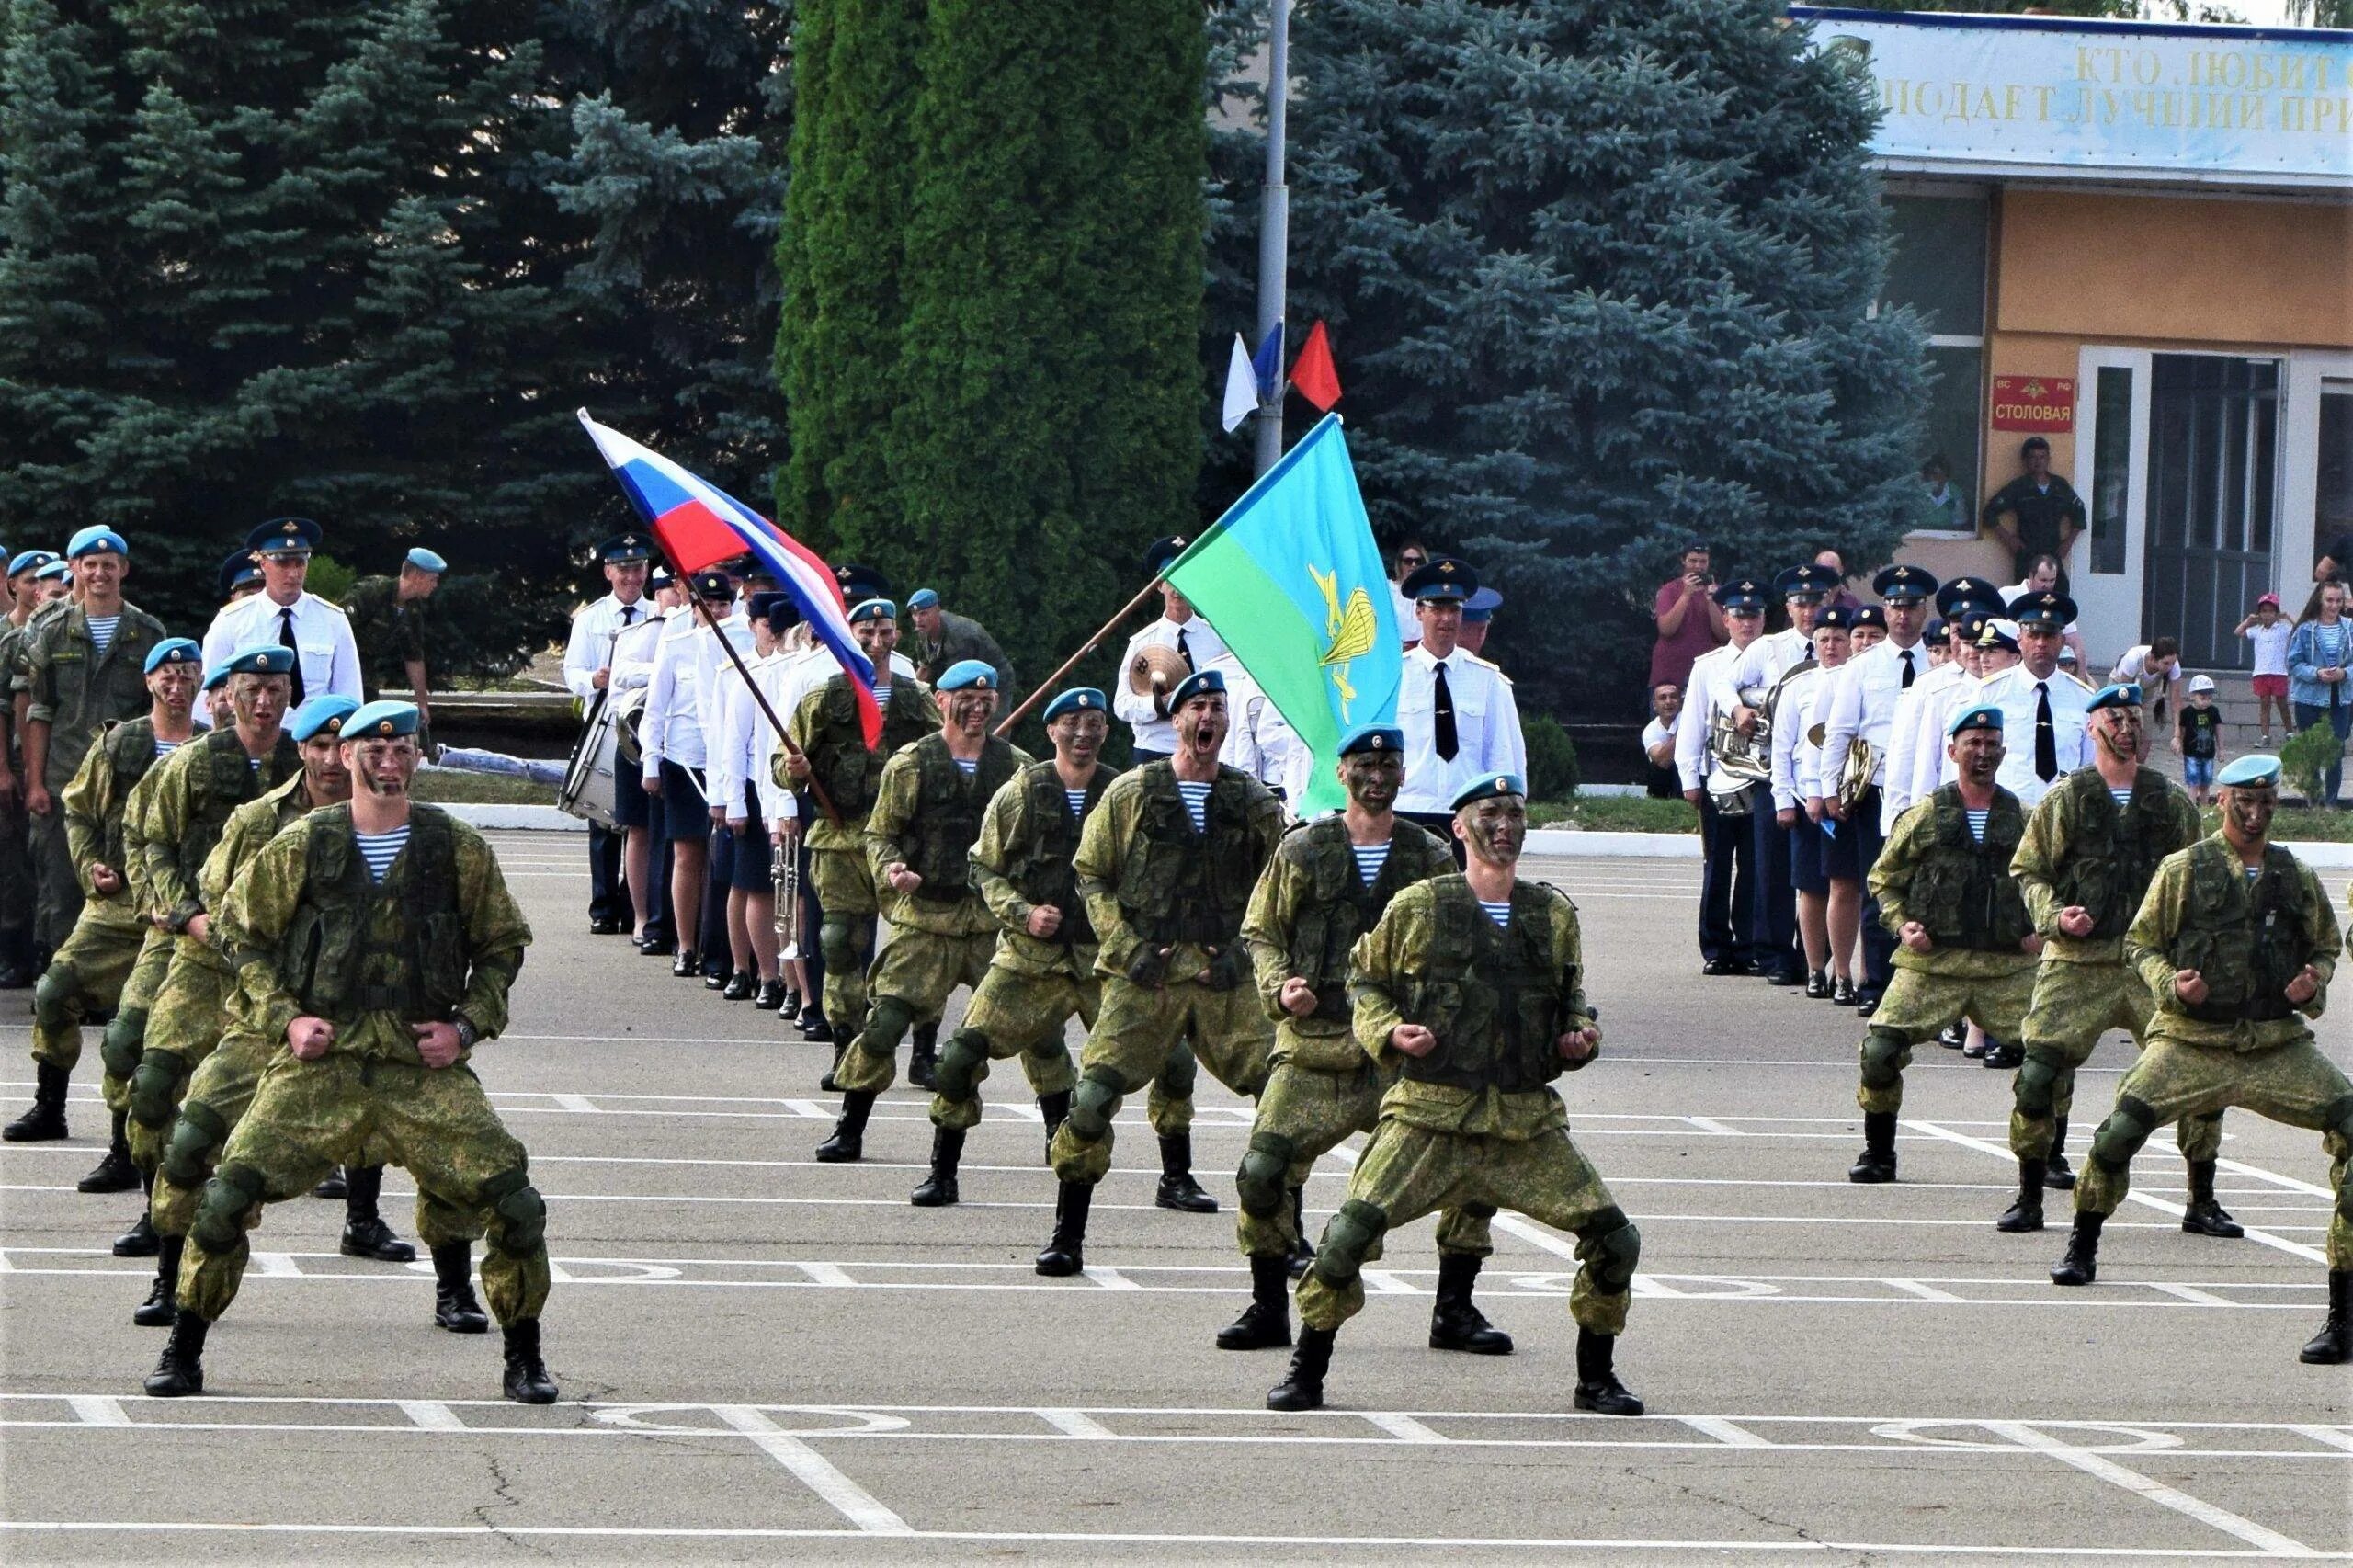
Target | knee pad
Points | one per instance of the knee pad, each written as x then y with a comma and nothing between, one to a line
1263,1182
953,1076
197,1137
126,1037
834,940
1613,1246
219,1213
1348,1240
54,994
2120,1136
2038,1084
1177,1077
1091,1104
886,1023
515,1200
1881,1050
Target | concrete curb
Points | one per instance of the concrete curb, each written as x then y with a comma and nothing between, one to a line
539,819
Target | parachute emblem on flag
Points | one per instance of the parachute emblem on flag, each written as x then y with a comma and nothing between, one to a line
1352,632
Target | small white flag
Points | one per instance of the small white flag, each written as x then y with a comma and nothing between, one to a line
1241,387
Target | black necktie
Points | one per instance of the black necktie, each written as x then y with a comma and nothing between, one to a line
1906,656
629,615
2046,739
286,640
1183,651
1442,715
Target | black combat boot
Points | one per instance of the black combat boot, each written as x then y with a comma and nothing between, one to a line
2057,1174
1302,1251
770,995
2204,1217
1264,1323
2026,1213
140,1241
849,1141
1177,1189
1598,1389
181,1369
828,1084
527,1381
1302,1386
923,1055
739,986
1455,1323
455,1306
332,1186
114,1173
1053,1109
1066,1248
2333,1344
365,1234
1878,1161
157,1309
2081,1264
46,1119
938,1189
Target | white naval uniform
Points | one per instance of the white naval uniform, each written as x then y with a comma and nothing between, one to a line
1863,701
1915,711
671,730
739,728
1257,740
797,675
632,650
590,647
1769,657
1709,693
1486,728
1796,759
2017,692
323,645
1201,643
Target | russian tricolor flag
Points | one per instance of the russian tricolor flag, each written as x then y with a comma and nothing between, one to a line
701,525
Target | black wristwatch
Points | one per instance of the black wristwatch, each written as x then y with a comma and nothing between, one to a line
467,1033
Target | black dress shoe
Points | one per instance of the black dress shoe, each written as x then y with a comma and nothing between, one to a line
1788,975
685,966
769,996
714,981
1953,1037
1726,964
658,949
813,1025
739,987
1865,1006
603,927
1842,994
2001,1056
1817,986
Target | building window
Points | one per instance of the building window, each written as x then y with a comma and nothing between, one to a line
2112,487
1936,265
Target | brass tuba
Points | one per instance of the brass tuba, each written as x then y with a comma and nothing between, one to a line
1745,761
1855,769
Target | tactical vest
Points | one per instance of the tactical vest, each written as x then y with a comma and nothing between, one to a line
131,753
1341,908
1176,885
1494,997
838,757
2246,940
221,779
1963,891
2112,856
1046,843
355,947
937,844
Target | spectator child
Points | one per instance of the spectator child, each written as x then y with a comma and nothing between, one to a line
2267,632
2201,740
2157,667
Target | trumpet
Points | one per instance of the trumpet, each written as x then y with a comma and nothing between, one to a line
785,867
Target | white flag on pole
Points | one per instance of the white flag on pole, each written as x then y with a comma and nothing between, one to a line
1241,387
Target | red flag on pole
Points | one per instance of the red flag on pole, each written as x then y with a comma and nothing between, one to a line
1312,372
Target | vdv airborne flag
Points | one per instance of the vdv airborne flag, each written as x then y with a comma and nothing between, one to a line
1292,581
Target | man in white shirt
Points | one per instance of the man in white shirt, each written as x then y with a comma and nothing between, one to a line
1772,911
1258,742
1909,744
2042,576
587,670
1861,705
326,656
1196,643
1460,719
1725,837
2045,716
645,859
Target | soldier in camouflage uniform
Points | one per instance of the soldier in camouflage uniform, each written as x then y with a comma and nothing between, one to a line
76,688
1327,885
20,593
826,728
928,808
173,822
2084,865
1471,989
379,941
85,976
1965,947
1166,864
2237,942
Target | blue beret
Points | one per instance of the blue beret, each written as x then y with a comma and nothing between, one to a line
56,566
1481,606
1494,784
1195,685
2123,694
1743,594
1837,618
873,609
320,713
261,659
1980,715
967,675
285,536
425,560
30,561
1442,579
1373,738
380,718
2254,769
622,548
1162,552
1901,582
2049,611
1077,700
923,599
181,651
96,541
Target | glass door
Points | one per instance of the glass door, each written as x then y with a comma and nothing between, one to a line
2213,497
2104,570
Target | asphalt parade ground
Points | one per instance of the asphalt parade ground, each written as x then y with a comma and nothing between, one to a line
765,1358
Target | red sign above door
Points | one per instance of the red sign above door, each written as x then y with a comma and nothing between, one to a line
2042,404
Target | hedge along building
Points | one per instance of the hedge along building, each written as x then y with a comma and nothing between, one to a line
2131,239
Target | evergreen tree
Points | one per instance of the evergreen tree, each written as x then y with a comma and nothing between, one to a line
1599,276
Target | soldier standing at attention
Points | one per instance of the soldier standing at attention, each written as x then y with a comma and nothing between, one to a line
388,617
943,638
928,808
1329,883
1964,945
379,941
20,593
2084,865
1166,866
1472,990
85,976
2237,942
326,655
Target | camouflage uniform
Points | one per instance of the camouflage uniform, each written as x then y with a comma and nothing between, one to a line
960,637
87,973
312,933
16,899
390,633
77,691
825,726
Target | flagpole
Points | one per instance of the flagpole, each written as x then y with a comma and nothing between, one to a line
1047,686
736,656
1274,227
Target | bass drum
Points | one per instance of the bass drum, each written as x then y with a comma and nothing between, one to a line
587,791
628,714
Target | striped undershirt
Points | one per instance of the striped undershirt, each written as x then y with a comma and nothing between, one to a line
102,630
1977,815
1196,803
1370,858
1499,913
969,765
165,748
1077,799
883,694
2121,797
379,850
